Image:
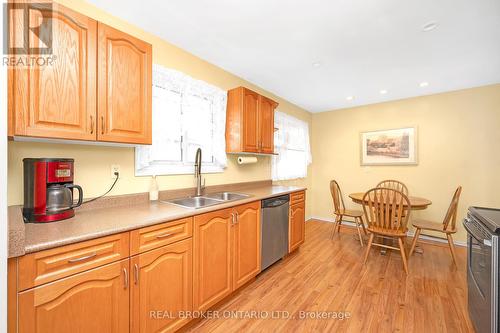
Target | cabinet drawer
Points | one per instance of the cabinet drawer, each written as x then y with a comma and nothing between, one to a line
297,197
149,238
45,266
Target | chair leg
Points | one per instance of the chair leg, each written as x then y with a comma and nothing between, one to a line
414,243
334,226
370,240
452,249
340,222
363,225
403,254
359,230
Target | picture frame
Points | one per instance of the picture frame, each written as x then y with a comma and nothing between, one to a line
397,146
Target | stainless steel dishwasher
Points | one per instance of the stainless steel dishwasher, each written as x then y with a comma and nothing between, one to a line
274,230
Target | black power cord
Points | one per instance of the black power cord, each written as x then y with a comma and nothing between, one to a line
117,174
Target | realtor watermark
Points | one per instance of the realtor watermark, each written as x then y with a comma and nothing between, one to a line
337,315
250,314
28,34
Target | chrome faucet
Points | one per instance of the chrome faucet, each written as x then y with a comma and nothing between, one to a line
197,173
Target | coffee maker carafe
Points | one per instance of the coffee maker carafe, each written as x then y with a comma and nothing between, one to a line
48,189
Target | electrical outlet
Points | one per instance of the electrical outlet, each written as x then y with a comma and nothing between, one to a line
115,168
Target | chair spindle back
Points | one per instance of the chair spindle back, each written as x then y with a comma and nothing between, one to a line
451,213
394,184
387,209
338,201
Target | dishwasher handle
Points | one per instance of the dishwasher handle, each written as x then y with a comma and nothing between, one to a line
275,202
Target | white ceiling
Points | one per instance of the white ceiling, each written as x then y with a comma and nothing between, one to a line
363,46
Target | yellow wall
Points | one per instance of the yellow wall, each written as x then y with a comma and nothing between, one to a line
458,144
459,140
93,163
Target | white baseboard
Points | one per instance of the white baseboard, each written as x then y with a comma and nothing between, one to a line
410,233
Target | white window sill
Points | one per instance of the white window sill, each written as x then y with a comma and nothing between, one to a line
288,179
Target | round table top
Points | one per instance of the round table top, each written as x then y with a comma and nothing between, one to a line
415,202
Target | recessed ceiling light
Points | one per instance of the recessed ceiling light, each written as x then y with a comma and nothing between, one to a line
383,91
429,26
316,64
349,98
424,84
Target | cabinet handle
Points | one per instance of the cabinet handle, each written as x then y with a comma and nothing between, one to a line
236,216
168,234
72,261
102,124
125,276
232,218
91,125
136,274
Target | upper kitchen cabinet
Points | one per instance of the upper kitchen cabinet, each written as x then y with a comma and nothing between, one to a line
56,100
249,122
97,86
124,88
266,121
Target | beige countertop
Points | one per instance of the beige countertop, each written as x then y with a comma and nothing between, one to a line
93,223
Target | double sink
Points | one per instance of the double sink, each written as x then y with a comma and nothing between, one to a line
207,200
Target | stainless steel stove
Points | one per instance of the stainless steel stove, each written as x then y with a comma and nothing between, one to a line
483,230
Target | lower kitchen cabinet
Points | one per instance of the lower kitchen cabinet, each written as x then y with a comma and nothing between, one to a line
246,243
212,258
94,301
154,290
162,288
296,232
226,252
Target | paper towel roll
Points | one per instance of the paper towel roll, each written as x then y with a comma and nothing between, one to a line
247,159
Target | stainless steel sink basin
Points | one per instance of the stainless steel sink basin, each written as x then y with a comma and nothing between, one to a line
227,196
194,202
207,200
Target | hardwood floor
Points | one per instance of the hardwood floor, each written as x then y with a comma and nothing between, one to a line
328,276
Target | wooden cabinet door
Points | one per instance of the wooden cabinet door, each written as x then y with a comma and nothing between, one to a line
246,243
250,121
297,226
212,258
93,301
266,125
162,288
124,88
57,99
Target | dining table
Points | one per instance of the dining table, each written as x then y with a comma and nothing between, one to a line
416,203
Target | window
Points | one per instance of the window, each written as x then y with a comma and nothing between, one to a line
291,142
187,114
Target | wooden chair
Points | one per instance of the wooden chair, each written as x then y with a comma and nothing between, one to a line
382,207
448,226
395,185
340,211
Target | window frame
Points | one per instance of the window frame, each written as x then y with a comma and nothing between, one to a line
286,144
198,89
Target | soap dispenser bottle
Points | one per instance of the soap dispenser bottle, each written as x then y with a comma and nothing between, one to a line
153,191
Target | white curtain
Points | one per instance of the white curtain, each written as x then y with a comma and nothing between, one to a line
187,114
291,142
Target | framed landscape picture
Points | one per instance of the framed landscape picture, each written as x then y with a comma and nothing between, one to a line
389,147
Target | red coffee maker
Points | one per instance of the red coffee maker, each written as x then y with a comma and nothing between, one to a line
48,189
